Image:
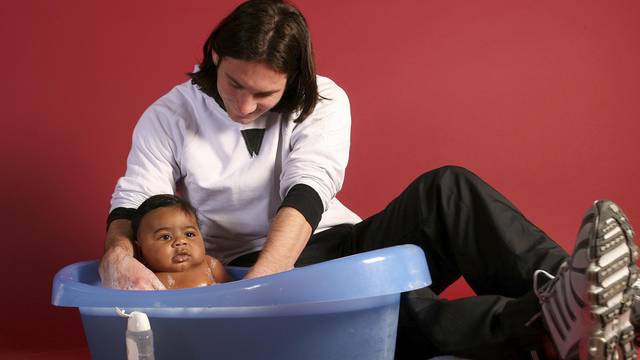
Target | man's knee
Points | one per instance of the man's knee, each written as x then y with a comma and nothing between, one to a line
447,173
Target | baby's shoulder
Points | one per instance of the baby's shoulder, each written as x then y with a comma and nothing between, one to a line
212,262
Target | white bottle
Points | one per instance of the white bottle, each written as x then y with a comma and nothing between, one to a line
139,337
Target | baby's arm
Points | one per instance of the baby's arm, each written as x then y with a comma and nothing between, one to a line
217,269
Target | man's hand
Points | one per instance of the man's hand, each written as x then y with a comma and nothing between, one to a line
288,235
120,270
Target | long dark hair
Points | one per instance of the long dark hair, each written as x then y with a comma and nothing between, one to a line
269,31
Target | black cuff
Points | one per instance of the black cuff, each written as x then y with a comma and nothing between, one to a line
307,201
120,213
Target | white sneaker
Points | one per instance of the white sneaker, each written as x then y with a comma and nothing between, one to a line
635,311
586,305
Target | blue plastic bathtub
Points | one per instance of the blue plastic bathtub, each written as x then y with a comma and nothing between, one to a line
340,309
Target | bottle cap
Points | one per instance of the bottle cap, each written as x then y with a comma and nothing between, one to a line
138,321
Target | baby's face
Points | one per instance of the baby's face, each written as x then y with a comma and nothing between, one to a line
170,240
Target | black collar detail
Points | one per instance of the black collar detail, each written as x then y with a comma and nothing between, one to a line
253,140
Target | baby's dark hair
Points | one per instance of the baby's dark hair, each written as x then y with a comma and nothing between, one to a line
159,201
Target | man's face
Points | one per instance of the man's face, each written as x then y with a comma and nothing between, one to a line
248,89
170,240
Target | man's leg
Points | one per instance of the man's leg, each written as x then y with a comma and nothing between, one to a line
465,228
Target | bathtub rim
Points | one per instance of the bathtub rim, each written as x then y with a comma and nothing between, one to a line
370,274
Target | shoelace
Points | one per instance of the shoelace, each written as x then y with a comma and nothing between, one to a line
542,292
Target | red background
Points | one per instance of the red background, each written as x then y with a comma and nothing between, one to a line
540,98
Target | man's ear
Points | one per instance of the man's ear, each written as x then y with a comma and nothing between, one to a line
215,57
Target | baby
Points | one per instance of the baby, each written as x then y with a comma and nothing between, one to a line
168,241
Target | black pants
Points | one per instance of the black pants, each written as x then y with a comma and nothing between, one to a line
466,228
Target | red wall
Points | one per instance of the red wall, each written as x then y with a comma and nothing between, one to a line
540,98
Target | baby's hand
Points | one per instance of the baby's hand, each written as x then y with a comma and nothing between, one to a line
119,270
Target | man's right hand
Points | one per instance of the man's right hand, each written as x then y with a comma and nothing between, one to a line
119,270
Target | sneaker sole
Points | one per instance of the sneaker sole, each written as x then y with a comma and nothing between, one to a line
611,273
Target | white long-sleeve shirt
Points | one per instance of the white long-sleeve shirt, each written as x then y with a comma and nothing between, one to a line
186,141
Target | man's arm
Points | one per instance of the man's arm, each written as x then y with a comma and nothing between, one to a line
151,169
313,169
288,235
119,234
118,268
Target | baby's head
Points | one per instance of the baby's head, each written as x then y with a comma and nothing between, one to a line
166,231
